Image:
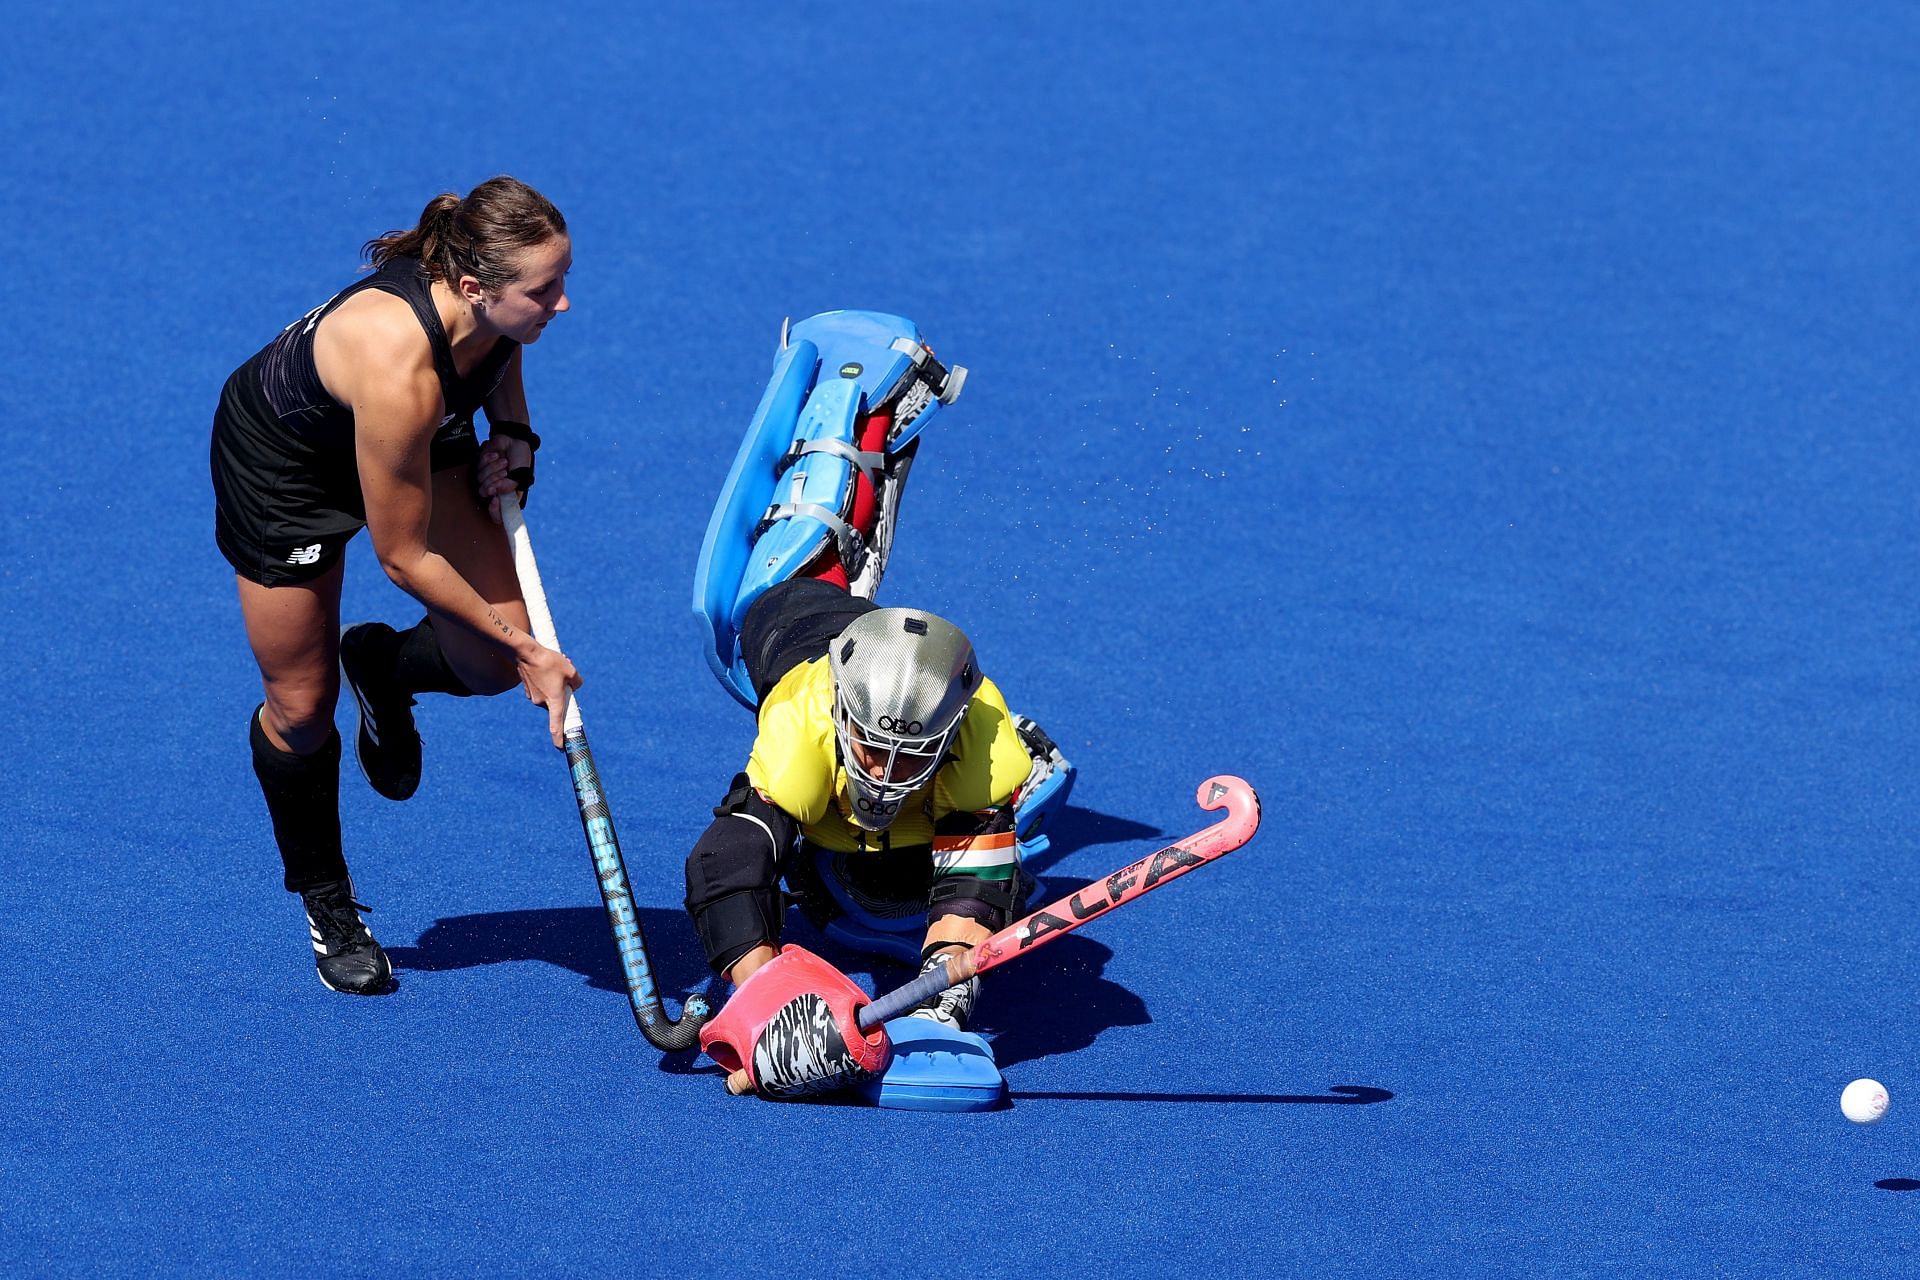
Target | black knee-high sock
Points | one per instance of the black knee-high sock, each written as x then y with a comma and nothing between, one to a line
419,665
303,798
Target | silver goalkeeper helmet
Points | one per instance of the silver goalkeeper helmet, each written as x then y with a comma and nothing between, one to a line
901,682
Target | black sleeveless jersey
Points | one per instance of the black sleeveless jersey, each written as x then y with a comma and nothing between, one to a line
288,410
285,477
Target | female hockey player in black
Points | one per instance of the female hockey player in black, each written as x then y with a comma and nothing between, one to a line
361,413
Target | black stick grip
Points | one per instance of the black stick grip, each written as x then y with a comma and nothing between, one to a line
900,999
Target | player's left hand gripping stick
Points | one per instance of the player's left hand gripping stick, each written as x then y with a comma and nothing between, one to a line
1223,791
609,867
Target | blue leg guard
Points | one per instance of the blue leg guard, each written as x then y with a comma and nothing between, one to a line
792,483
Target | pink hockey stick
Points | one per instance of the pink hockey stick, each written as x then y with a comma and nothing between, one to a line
1095,900
1223,791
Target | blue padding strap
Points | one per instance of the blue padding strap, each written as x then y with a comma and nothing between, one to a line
809,492
851,934
1038,803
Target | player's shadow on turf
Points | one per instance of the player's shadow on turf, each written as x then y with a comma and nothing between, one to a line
1057,1003
1051,1002
1898,1184
1336,1095
1074,828
575,938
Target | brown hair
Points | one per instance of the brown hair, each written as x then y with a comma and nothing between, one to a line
474,236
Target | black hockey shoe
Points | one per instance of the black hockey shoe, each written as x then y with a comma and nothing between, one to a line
387,745
344,951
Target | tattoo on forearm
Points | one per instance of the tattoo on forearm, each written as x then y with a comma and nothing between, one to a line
506,631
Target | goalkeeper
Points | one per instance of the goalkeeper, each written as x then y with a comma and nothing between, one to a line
887,778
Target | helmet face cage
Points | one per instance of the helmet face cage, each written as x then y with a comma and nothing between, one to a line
902,683
909,763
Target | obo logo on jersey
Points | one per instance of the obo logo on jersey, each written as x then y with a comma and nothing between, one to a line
879,808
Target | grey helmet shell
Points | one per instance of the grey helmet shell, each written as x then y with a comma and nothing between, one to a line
902,679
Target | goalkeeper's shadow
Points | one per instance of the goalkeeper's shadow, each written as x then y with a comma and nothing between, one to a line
1074,828
1054,1001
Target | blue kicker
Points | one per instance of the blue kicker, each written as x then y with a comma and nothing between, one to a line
936,1068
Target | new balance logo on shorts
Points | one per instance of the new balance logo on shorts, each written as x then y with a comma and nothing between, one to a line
305,555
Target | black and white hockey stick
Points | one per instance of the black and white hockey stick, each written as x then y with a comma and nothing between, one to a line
609,867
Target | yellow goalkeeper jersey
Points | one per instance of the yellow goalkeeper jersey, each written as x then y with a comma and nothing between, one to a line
795,764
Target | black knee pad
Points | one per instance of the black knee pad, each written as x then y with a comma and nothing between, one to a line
733,877
993,903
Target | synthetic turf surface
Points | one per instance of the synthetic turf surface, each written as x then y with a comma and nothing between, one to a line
1486,428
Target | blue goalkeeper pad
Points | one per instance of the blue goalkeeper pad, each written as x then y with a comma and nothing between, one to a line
786,493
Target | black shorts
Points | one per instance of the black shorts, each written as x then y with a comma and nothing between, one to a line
791,624
285,508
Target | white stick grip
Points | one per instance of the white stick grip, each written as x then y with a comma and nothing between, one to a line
532,591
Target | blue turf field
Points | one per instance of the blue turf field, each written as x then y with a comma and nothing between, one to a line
1486,428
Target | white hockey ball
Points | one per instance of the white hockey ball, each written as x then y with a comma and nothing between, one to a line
1864,1102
